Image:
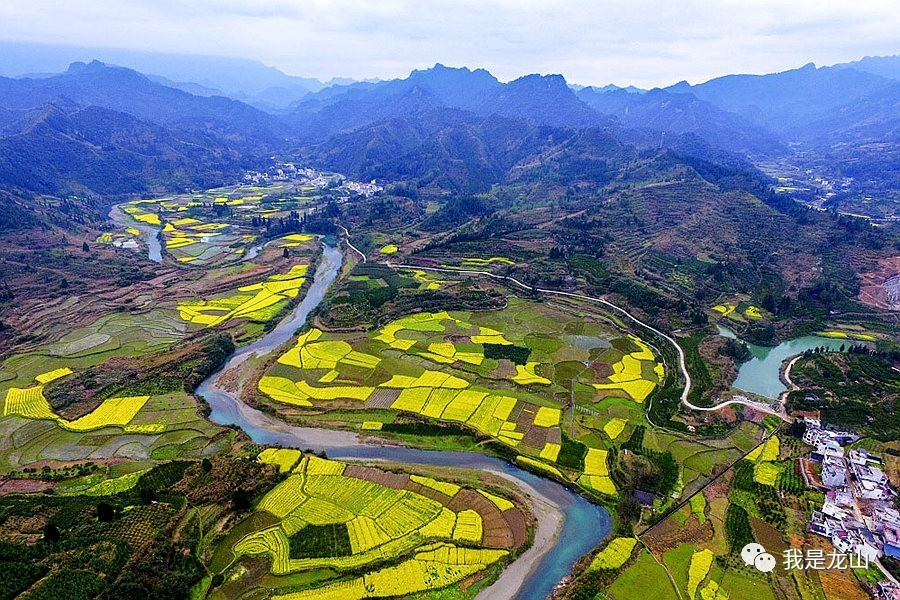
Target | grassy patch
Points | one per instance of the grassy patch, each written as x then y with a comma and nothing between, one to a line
319,541
646,578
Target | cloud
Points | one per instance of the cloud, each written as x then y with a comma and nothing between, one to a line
640,42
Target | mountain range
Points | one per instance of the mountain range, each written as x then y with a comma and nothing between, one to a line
842,120
665,197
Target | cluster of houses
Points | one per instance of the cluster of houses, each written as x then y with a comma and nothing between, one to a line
859,514
316,179
281,172
363,189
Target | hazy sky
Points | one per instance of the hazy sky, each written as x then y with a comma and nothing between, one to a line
638,42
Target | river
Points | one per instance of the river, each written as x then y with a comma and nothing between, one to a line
762,373
568,526
151,234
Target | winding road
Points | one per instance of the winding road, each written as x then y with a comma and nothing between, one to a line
350,244
787,375
682,364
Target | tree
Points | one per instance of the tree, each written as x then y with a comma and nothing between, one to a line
85,247
286,253
241,499
206,465
147,495
105,512
797,428
629,509
51,533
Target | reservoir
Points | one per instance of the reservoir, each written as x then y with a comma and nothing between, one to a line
761,374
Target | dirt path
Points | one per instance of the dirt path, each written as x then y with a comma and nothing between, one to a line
352,247
786,377
682,365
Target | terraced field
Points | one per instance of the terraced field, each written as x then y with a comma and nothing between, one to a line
142,212
164,427
508,375
740,310
210,228
375,533
259,302
117,334
207,235
126,239
132,426
698,547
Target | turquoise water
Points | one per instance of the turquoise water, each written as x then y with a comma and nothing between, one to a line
760,374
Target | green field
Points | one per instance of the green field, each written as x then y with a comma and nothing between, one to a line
759,499
165,427
133,426
117,334
646,578
210,229
259,302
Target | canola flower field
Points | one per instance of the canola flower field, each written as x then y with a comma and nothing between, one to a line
31,404
396,534
132,426
740,310
615,554
498,373
193,239
258,302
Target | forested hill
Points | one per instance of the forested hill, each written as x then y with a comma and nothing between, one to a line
127,91
109,131
656,197
152,124
61,148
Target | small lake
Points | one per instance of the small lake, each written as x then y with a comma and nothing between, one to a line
760,374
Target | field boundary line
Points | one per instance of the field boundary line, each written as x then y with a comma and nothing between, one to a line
682,363
712,480
681,357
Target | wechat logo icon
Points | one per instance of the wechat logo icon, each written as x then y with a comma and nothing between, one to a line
754,554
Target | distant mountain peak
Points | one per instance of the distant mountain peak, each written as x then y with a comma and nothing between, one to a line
83,67
100,69
440,71
537,81
77,67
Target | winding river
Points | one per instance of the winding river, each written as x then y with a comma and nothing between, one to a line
568,526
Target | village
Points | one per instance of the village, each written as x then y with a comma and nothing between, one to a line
859,515
285,171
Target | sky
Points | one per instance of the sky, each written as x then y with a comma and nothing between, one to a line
636,42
